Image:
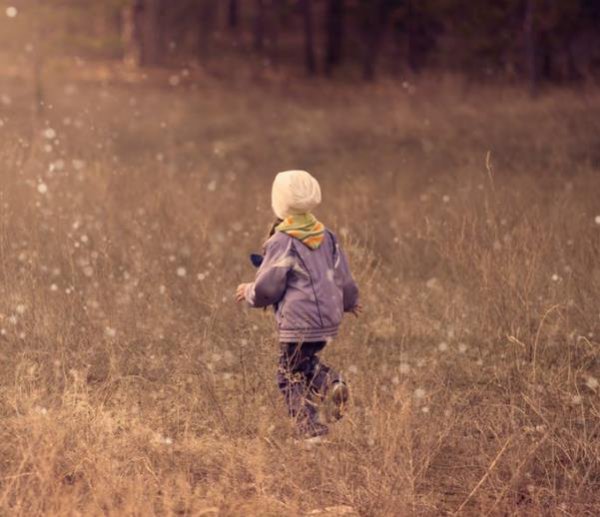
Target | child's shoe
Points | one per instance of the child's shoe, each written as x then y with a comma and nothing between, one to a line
336,400
313,430
313,434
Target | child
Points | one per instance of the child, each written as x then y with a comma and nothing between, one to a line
305,275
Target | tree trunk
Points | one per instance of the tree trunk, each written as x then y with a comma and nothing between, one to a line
411,37
334,26
259,26
151,33
374,38
233,14
531,47
573,73
276,23
309,38
131,33
142,32
207,11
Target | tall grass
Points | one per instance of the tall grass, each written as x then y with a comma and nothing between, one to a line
131,384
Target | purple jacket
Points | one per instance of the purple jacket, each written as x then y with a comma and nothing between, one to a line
311,289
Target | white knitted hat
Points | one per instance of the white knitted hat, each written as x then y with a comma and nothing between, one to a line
294,193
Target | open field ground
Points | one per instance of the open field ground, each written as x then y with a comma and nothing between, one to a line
130,382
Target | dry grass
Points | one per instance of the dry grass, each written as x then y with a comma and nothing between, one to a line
131,384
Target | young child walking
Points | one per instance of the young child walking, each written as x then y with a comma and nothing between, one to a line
305,275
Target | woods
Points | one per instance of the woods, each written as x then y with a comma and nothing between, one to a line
529,40
533,42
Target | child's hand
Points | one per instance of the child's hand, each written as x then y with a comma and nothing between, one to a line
240,292
357,310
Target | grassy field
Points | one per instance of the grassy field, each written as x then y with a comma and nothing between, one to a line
130,382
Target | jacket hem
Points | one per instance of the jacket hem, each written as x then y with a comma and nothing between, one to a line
307,335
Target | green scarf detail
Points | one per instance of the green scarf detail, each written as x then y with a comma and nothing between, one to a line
305,228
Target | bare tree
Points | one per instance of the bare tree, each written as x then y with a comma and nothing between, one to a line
152,32
207,14
142,32
233,14
309,38
276,25
259,26
130,32
377,22
531,47
334,26
411,36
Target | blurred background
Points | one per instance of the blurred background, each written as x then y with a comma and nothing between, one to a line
530,41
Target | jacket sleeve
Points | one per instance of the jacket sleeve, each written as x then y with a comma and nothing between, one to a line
343,277
271,278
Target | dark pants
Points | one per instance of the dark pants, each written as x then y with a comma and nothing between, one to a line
304,379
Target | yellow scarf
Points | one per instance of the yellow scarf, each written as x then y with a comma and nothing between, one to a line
305,228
